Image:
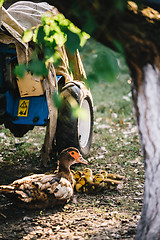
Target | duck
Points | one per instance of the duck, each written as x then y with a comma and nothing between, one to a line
39,191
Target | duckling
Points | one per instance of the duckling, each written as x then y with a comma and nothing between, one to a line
88,175
77,175
104,173
55,171
115,176
73,172
80,185
111,183
45,191
98,182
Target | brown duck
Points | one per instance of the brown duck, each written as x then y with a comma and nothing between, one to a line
45,190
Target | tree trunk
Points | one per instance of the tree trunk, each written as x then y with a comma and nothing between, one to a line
146,100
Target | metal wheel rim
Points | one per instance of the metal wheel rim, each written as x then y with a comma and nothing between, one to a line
84,124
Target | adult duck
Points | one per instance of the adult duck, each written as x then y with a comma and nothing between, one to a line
46,190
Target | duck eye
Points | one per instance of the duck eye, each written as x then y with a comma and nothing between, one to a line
72,153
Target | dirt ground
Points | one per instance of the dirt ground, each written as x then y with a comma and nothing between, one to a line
85,217
104,215
74,221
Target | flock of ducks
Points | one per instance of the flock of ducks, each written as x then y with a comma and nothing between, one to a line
47,190
86,182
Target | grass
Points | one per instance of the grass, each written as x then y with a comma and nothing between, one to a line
116,146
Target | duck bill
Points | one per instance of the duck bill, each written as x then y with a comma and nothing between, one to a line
80,159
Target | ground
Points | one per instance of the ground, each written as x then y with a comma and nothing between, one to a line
115,148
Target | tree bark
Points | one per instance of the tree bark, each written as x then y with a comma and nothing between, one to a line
148,119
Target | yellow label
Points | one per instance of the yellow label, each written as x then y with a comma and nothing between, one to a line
23,108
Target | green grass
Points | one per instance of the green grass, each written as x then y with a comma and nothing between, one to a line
116,146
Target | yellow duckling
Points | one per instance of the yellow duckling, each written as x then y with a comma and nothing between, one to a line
55,171
73,172
98,181
80,185
88,175
77,175
104,173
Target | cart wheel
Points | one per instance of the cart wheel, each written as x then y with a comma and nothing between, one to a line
72,131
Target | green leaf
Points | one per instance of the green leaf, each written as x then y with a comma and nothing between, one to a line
40,36
48,53
35,35
27,36
60,38
59,17
78,112
20,70
38,68
47,30
73,28
106,67
73,42
58,100
51,56
83,38
1,3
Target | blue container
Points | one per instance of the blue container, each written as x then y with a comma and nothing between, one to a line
28,110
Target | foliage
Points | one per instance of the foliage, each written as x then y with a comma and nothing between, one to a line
54,32
103,61
37,67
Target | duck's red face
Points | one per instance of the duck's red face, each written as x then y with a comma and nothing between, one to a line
77,157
